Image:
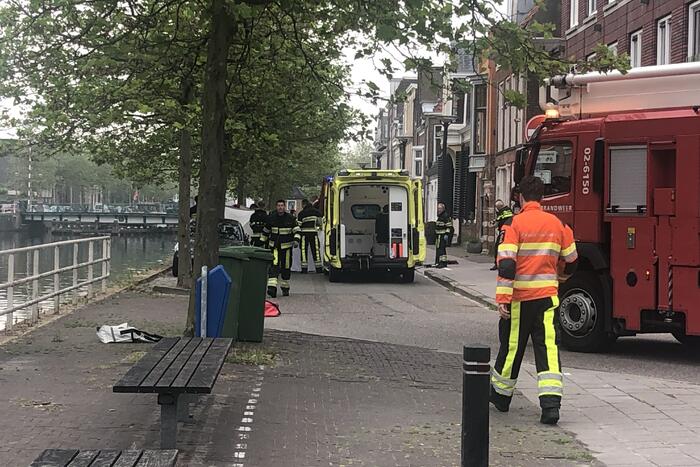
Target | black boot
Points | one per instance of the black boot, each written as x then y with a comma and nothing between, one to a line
272,292
501,402
550,416
550,409
304,270
494,268
285,292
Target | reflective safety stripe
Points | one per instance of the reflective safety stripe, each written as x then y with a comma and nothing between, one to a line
513,339
540,246
503,247
507,254
550,391
570,249
535,284
571,257
255,235
535,277
501,385
286,245
550,375
283,230
504,290
284,284
272,282
501,282
542,252
550,340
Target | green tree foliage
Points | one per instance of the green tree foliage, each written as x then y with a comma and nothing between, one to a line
252,87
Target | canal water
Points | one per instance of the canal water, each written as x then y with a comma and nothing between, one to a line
131,255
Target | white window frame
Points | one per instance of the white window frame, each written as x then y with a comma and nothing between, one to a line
663,48
693,32
501,117
573,13
418,159
591,57
592,7
636,48
613,47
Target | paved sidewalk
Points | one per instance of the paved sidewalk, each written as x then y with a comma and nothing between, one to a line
627,420
470,276
326,402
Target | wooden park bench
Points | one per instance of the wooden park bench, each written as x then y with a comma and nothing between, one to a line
174,368
105,458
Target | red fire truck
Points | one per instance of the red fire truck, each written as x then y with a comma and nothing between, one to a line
620,159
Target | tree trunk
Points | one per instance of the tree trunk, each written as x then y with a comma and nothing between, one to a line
184,277
210,202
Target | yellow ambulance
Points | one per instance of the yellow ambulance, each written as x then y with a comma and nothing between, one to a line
373,221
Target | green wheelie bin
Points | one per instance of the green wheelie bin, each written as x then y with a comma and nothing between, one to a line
247,266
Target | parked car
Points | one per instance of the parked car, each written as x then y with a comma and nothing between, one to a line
231,233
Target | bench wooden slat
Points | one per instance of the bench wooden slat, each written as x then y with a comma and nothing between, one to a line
128,459
161,458
179,363
137,373
55,458
106,458
192,364
208,370
148,384
84,458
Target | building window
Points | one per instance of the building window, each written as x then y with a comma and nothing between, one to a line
613,48
418,162
591,57
437,144
694,32
636,49
591,7
573,13
458,100
663,41
479,119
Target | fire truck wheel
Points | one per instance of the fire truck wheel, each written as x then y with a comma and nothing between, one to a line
580,314
692,342
334,274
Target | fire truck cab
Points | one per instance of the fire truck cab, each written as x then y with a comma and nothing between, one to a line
621,166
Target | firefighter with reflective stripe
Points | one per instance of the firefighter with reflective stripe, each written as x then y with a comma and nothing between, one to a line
443,230
309,220
538,252
504,216
257,223
281,234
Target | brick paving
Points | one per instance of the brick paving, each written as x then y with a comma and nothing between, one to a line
327,401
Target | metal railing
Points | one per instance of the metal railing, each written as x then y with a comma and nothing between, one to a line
32,256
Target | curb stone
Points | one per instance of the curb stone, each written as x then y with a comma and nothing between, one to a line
454,286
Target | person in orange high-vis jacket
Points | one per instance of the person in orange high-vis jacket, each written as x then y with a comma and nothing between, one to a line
538,251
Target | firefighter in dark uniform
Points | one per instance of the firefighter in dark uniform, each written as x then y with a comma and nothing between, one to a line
504,216
257,223
281,234
443,231
309,219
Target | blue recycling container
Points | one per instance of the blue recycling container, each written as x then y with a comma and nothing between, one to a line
218,290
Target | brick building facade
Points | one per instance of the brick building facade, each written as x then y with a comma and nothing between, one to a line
652,32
